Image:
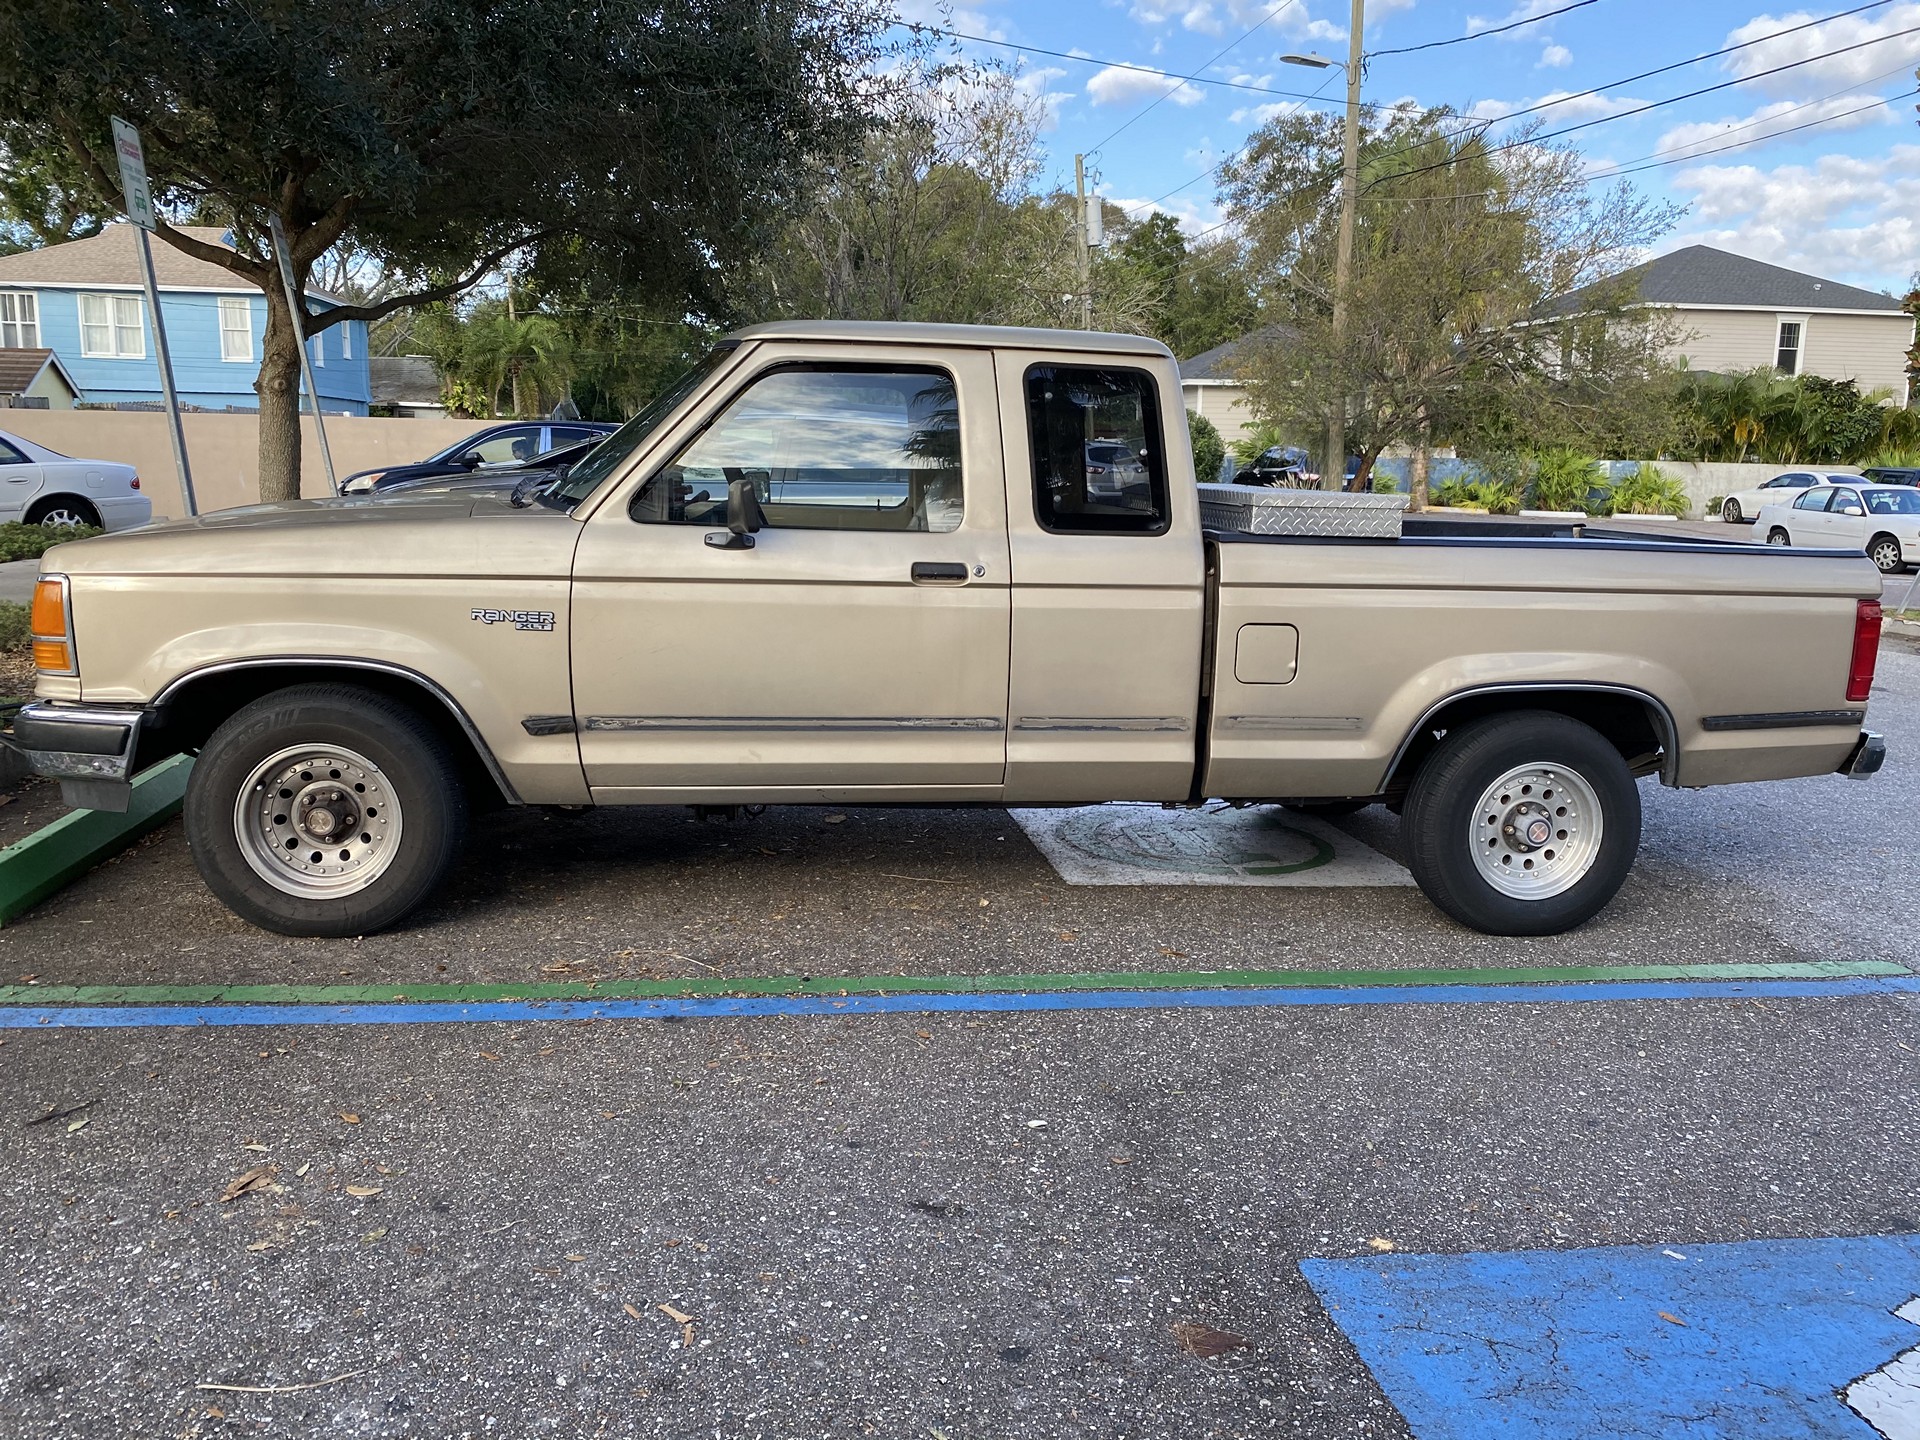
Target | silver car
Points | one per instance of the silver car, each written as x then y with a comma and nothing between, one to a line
44,487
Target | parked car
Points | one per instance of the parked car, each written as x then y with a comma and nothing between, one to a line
503,479
1744,505
1287,467
1113,468
1882,520
44,487
491,449
1892,474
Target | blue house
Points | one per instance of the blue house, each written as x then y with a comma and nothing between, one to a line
84,301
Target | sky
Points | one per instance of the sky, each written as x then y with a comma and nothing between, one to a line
1815,166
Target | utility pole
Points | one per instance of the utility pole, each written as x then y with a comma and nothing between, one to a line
1080,239
1343,266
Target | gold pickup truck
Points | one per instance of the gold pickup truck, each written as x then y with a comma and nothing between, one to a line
938,565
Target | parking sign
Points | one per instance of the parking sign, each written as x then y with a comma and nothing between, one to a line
133,173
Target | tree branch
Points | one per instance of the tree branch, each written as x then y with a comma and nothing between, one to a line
343,313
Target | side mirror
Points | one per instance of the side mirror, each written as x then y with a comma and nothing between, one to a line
744,517
1851,510
471,460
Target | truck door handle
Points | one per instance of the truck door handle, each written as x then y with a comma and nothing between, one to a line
938,572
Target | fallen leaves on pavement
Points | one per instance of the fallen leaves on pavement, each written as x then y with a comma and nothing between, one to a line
1380,1243
258,1178
1205,1342
363,1192
683,1320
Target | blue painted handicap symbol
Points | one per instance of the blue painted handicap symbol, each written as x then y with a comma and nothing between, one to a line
1761,1340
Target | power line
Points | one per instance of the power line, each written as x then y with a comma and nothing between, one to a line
1482,34
1688,159
1184,79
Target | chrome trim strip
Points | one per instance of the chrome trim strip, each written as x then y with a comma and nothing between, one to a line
788,722
382,667
1783,720
1292,723
1131,724
1663,717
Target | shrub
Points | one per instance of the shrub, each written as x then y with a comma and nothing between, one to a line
1209,450
13,626
1452,491
1894,457
30,542
1563,478
1385,484
1649,491
1496,497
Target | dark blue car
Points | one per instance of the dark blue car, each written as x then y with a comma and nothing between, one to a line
499,447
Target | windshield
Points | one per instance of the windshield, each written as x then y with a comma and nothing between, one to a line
607,456
1892,502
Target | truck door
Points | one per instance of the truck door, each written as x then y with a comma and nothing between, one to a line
858,649
1109,575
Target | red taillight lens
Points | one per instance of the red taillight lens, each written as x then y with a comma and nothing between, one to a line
1866,650
136,482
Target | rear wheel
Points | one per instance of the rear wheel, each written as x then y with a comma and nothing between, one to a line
324,810
1522,824
1730,511
61,510
1884,551
1777,536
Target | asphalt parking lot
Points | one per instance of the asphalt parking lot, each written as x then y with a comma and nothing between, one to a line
971,1222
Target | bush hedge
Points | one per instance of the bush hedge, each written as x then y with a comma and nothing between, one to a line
30,542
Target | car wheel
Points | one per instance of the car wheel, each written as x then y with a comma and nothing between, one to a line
1522,824
1884,551
63,510
1730,511
1777,536
324,810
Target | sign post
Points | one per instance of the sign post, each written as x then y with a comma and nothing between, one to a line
283,255
133,181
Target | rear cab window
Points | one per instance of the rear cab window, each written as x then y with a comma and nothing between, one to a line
1098,463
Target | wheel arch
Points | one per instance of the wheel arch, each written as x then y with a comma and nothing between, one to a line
193,705
1637,724
40,504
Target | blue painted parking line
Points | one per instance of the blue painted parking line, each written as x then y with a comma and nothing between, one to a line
26,1017
1758,1340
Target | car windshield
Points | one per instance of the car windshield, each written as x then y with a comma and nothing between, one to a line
606,457
1892,502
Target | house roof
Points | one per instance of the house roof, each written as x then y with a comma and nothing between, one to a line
1220,363
110,258
1702,275
20,368
404,380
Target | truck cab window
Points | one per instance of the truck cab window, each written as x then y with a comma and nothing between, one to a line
826,449
1098,467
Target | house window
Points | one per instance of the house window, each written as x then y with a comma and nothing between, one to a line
346,340
111,328
317,347
1787,352
236,328
19,320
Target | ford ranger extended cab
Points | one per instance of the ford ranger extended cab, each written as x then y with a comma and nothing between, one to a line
933,565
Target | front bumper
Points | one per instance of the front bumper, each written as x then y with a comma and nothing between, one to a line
88,748
1866,757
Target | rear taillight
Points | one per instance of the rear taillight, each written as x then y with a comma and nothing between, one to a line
1866,650
136,482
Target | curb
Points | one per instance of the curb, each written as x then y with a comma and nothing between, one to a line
56,855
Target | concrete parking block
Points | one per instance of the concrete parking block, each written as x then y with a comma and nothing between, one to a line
58,854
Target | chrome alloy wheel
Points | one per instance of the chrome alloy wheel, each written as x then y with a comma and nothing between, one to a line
62,515
318,822
1536,832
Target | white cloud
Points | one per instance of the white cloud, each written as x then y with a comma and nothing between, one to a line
934,13
1115,86
1556,57
1201,17
1846,217
1527,11
1193,215
1566,107
1849,112
1857,67
1258,115
1040,82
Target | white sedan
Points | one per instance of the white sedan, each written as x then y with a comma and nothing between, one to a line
1746,504
44,487
1882,520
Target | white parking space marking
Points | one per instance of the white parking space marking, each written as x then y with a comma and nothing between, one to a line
1134,844
1889,1398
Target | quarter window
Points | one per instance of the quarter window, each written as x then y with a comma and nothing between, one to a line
839,448
19,320
1097,462
236,328
112,328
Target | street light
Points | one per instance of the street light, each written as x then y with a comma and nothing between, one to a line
1343,264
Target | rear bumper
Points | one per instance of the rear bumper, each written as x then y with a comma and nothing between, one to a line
1866,757
88,748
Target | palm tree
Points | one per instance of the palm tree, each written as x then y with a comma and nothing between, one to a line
529,353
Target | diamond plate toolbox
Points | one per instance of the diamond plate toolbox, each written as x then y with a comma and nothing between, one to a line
1259,510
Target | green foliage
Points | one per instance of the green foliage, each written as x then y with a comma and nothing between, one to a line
1563,478
1895,457
1648,491
465,401
30,542
14,628
1256,442
1762,415
1209,450
1495,496
1385,484
1453,492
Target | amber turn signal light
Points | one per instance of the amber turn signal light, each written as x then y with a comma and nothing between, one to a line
52,634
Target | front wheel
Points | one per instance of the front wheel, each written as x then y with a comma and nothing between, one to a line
324,810
1884,551
1777,536
1523,824
1730,511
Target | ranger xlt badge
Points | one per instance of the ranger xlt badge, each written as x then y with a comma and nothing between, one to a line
520,619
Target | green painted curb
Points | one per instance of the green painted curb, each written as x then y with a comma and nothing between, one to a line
56,855
912,984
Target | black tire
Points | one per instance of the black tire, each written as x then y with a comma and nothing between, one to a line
1884,551
1777,536
82,511
1328,809
1730,511
413,764
1441,816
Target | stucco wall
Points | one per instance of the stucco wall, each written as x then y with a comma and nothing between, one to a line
223,449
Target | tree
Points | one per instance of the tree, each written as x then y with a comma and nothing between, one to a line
1209,450
529,355
1200,296
651,143
44,204
1458,246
